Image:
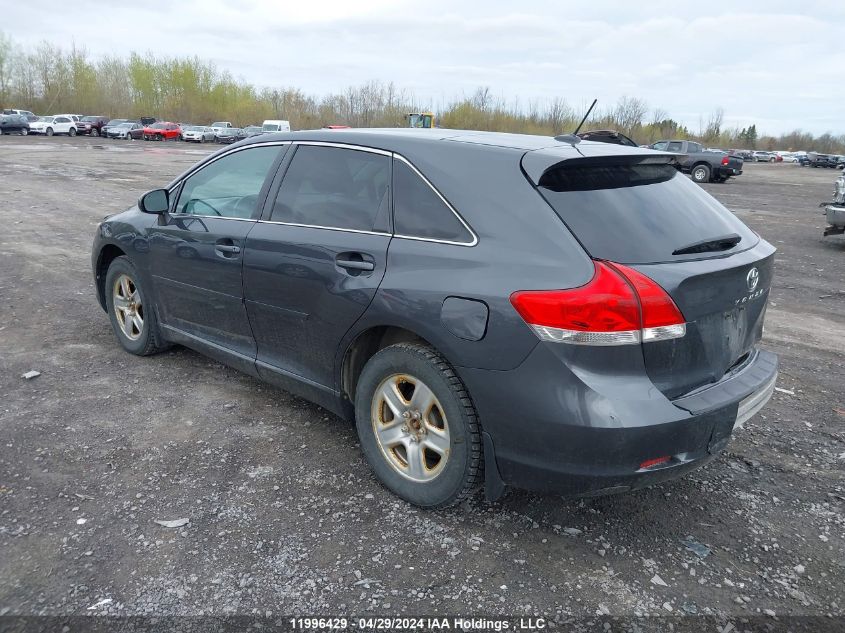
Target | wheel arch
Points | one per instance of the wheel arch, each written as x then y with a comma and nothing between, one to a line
365,345
107,255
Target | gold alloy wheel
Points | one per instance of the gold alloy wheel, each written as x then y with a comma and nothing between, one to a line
127,307
410,427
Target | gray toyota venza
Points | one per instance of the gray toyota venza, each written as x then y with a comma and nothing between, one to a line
493,309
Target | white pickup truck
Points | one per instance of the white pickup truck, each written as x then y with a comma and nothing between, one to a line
835,210
219,126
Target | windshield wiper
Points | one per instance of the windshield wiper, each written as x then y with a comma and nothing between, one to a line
710,245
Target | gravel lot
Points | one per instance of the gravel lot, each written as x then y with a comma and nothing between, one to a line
285,517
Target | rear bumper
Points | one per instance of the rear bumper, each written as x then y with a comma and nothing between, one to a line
835,215
579,432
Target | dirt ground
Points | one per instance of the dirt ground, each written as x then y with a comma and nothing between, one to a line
285,517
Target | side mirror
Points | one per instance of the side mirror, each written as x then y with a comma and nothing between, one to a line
155,201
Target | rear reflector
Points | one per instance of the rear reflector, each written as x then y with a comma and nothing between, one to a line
654,462
618,306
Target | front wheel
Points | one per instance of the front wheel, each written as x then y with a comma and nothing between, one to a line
95,131
49,131
701,173
418,428
132,318
24,131
71,131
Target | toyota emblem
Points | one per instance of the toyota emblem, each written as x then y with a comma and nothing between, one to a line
753,278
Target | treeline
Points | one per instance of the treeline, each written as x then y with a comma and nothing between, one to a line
49,79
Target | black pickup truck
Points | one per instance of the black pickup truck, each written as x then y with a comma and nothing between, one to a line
700,165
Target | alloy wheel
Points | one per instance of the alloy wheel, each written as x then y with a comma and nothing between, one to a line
128,307
410,427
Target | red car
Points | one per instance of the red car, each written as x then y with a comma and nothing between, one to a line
162,131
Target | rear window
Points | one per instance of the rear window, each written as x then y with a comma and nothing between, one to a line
639,213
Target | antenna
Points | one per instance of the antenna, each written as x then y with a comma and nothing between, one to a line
574,138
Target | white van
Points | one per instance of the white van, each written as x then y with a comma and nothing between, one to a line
276,125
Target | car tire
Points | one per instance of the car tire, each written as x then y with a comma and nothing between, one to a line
24,131
433,458
135,327
49,131
71,131
95,132
701,173
771,160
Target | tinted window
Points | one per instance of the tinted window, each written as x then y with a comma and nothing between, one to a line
633,214
675,146
62,119
418,211
333,187
693,147
229,186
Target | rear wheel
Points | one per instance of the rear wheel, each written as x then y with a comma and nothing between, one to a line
132,318
701,173
418,428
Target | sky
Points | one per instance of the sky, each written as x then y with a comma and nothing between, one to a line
773,63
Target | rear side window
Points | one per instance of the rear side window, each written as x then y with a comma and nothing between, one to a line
334,187
639,213
675,146
419,211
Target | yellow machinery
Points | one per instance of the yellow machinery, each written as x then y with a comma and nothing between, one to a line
421,119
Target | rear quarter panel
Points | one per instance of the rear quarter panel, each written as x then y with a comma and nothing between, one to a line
522,245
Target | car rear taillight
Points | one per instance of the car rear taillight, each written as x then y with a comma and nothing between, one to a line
618,306
726,160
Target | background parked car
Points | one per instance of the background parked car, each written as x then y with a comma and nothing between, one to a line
228,135
50,125
14,124
162,131
26,113
147,120
197,133
128,131
250,130
92,125
764,157
744,154
821,160
112,123
219,126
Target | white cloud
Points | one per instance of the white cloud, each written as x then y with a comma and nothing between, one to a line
763,62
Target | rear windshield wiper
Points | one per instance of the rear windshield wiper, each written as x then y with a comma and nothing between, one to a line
710,245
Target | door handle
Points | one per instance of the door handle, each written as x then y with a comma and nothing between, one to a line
352,264
228,248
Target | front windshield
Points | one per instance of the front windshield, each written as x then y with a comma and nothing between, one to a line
126,125
89,119
219,124
192,128
44,118
270,127
116,121
158,126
